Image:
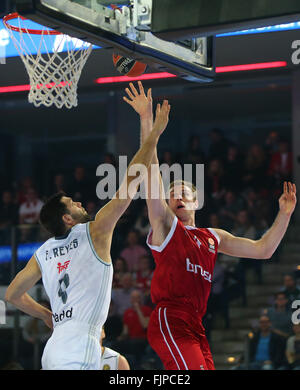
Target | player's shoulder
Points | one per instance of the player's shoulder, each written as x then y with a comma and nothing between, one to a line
76,229
109,353
210,233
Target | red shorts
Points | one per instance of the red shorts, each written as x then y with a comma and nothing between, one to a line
176,341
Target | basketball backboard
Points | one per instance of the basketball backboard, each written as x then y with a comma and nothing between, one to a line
128,31
177,19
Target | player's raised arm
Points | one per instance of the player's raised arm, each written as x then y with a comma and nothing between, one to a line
160,215
268,243
109,215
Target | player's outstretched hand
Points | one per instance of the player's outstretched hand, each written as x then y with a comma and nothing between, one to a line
138,100
288,200
161,117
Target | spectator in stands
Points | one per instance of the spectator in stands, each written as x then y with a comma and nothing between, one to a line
214,221
290,288
219,145
244,228
142,224
109,158
123,226
25,184
167,158
258,210
228,212
214,181
281,165
293,348
194,153
233,167
8,216
29,213
280,315
255,166
144,275
120,268
133,251
237,272
133,340
121,296
80,188
59,184
166,161
271,143
266,348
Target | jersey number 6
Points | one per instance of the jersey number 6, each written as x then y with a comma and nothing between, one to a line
63,285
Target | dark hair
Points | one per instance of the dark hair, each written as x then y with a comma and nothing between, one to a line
51,214
291,275
280,293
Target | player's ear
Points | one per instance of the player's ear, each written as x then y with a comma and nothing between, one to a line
67,219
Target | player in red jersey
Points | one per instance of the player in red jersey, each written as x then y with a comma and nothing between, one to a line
185,257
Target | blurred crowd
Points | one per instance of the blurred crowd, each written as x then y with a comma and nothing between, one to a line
274,343
242,187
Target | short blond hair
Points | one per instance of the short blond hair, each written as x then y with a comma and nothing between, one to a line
183,183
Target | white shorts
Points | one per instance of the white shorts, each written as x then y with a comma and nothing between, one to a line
73,346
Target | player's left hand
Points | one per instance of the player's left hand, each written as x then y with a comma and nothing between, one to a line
288,200
141,102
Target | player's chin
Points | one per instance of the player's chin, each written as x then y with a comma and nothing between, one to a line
181,212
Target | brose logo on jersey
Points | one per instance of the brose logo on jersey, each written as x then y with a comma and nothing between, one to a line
63,315
211,245
190,267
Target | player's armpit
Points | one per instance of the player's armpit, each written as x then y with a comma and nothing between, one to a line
240,246
161,227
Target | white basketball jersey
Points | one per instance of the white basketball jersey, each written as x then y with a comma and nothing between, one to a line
109,359
77,282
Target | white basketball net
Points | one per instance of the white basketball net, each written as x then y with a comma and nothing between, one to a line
53,75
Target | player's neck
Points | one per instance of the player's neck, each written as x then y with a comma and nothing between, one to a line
189,221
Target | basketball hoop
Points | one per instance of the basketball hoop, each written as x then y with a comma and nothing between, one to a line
53,74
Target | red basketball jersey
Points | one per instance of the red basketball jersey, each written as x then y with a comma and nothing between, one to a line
184,267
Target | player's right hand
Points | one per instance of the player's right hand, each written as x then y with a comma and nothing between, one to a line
139,101
161,117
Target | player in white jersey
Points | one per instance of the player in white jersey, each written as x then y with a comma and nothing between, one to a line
76,268
110,359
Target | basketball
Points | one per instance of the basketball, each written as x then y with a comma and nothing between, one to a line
128,67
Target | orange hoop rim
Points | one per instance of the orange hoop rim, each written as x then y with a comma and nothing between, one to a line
16,15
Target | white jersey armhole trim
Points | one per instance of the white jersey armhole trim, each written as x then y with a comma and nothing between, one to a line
167,239
118,359
215,234
92,245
